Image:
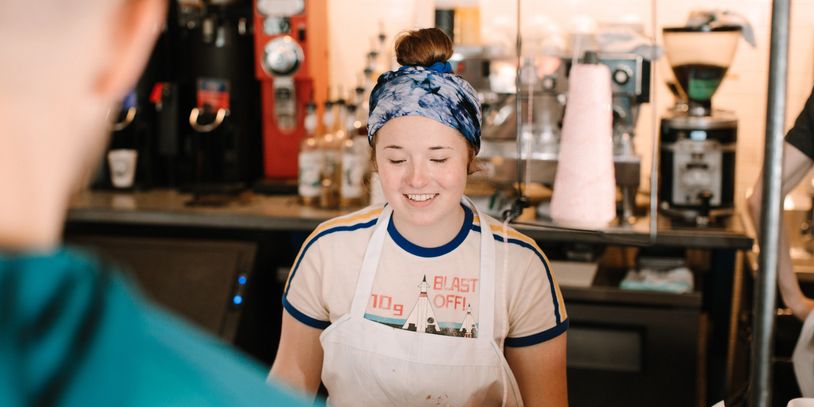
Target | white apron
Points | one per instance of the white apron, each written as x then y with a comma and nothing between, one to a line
803,357
367,363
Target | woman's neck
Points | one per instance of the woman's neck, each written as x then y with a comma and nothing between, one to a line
433,235
32,207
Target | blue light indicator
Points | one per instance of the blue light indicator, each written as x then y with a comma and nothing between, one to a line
241,280
237,300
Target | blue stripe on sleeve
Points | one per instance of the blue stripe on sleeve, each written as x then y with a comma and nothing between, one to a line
545,264
550,333
323,233
305,319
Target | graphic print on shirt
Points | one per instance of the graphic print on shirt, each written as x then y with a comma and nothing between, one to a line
432,300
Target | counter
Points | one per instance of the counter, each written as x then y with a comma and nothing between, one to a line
278,213
625,347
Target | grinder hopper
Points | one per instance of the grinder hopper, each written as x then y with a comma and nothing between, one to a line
700,57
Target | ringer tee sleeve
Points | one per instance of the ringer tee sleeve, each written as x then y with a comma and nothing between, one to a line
302,297
801,135
536,308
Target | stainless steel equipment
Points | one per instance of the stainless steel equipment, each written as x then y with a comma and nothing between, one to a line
544,96
697,157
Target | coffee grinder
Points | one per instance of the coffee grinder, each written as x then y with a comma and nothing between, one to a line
290,46
697,157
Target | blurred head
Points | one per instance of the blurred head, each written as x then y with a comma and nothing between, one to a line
68,63
65,64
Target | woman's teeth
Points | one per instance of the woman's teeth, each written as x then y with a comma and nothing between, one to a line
420,197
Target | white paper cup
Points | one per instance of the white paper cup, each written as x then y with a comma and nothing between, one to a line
122,163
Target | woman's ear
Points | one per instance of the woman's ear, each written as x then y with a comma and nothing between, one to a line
134,29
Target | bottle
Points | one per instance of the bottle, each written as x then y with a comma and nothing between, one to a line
340,113
310,160
355,159
330,176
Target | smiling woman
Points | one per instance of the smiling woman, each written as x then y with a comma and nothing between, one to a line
423,178
376,305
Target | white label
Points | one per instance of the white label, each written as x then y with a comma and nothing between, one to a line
310,169
353,176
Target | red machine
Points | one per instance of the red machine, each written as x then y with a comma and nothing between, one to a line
291,54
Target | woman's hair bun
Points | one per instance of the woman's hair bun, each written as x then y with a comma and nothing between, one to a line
423,47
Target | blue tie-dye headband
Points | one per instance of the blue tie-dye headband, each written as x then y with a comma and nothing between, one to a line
433,92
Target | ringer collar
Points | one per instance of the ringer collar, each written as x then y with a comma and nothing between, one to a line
420,251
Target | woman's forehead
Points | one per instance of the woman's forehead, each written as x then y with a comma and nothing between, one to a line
418,131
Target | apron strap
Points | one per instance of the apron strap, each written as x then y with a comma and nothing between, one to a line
364,284
486,301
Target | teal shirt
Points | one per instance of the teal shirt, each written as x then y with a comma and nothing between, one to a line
75,333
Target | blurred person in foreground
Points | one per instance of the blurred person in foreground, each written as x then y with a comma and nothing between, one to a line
73,332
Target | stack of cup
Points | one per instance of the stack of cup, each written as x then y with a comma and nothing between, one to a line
585,185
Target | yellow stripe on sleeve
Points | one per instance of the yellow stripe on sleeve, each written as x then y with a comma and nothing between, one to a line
345,220
513,234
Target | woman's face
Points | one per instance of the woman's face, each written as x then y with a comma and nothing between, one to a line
423,168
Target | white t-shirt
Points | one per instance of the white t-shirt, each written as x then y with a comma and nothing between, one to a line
432,290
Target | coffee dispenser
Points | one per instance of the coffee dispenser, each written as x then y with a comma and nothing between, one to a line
219,145
132,159
697,158
291,64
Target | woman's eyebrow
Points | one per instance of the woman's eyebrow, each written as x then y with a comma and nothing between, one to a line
440,148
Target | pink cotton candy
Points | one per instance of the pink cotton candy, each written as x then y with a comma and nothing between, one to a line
585,185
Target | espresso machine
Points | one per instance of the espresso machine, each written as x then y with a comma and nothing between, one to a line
543,99
698,143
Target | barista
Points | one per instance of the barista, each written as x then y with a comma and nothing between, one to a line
423,301
798,159
73,331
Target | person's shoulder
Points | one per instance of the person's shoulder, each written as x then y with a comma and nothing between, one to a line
359,223
200,368
129,349
520,244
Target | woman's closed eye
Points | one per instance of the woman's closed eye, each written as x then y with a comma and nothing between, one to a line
396,161
439,160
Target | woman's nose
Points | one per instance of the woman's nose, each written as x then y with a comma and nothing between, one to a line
417,176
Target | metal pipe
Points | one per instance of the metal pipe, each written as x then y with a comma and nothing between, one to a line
656,137
518,107
766,284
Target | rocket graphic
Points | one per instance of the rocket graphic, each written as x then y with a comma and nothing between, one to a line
468,326
422,317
